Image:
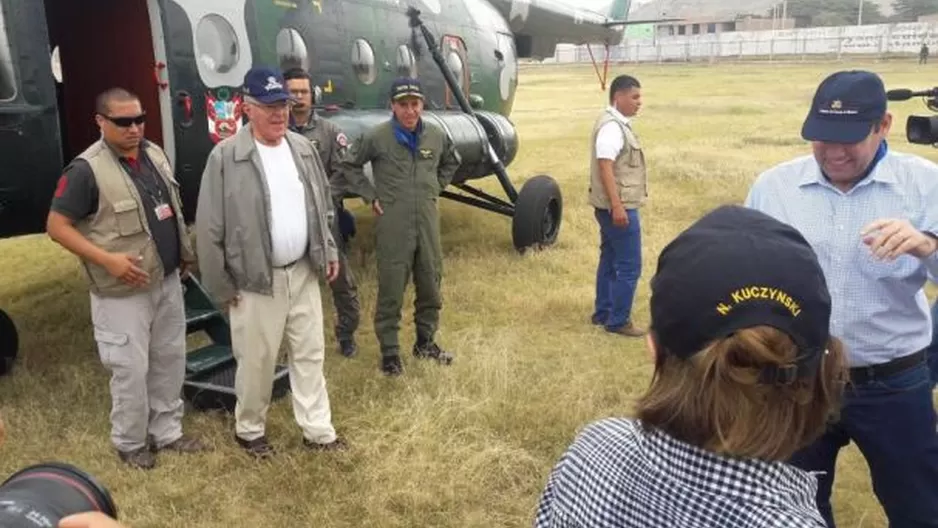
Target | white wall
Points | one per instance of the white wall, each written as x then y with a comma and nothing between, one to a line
797,43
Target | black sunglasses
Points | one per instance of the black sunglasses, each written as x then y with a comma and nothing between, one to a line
125,122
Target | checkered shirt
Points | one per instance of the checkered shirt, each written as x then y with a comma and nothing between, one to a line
618,474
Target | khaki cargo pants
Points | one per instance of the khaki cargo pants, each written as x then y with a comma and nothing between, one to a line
142,342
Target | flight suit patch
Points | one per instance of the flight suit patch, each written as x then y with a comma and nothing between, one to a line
342,140
426,154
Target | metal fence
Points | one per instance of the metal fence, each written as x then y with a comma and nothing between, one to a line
881,41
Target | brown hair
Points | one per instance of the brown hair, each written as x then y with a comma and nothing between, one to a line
714,400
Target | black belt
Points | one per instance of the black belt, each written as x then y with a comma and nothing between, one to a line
884,370
290,264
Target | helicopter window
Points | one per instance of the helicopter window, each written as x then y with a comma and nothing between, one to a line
7,77
363,61
291,50
217,44
406,65
454,61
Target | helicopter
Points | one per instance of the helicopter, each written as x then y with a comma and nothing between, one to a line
186,60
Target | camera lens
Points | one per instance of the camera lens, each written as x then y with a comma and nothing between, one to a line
43,494
922,130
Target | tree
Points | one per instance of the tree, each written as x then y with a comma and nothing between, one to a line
838,12
910,10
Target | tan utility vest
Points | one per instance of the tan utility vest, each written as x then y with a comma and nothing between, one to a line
120,224
628,169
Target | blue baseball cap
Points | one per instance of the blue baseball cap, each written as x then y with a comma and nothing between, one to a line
845,107
406,87
266,85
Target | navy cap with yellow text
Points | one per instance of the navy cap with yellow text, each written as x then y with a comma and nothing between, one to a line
845,107
737,268
406,87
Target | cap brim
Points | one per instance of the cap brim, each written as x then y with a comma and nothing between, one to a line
835,131
404,95
274,98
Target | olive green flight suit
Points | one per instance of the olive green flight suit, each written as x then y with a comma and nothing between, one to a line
331,143
407,184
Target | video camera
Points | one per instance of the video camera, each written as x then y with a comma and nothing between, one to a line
44,494
922,130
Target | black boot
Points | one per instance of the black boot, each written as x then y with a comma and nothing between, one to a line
391,365
347,347
428,349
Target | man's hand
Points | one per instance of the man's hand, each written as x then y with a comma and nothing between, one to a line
376,207
184,268
89,520
619,216
889,238
232,301
332,270
124,267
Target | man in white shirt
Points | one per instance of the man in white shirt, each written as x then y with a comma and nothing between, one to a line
618,188
264,237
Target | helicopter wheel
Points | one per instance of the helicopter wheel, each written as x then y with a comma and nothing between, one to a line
538,213
9,343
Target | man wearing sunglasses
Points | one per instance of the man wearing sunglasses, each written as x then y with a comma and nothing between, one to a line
117,208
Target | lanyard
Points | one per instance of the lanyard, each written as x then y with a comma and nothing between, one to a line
152,188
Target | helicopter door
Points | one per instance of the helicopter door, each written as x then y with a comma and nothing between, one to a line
29,134
208,52
101,44
454,54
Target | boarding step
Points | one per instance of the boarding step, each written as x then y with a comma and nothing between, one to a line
207,358
214,389
210,369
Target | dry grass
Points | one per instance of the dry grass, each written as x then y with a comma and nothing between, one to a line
469,445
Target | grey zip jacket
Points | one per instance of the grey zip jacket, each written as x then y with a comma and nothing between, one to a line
232,222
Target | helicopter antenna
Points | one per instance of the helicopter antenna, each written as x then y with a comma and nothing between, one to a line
413,14
499,168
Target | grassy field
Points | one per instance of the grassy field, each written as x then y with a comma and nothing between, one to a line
464,446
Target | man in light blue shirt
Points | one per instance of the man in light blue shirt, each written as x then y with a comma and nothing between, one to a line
871,216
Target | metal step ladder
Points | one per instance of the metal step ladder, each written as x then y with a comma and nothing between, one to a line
210,369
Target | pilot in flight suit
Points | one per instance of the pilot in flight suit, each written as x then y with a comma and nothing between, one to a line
412,160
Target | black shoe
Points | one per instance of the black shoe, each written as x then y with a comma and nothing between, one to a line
259,447
391,365
347,347
432,350
141,458
339,444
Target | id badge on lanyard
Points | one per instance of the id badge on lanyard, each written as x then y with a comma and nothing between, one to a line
163,212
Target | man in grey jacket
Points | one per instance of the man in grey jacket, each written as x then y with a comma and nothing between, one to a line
263,238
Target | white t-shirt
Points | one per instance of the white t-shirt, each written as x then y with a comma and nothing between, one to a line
289,231
609,140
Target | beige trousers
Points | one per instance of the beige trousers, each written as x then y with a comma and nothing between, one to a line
142,342
259,324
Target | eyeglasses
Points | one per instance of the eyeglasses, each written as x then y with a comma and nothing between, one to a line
126,122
